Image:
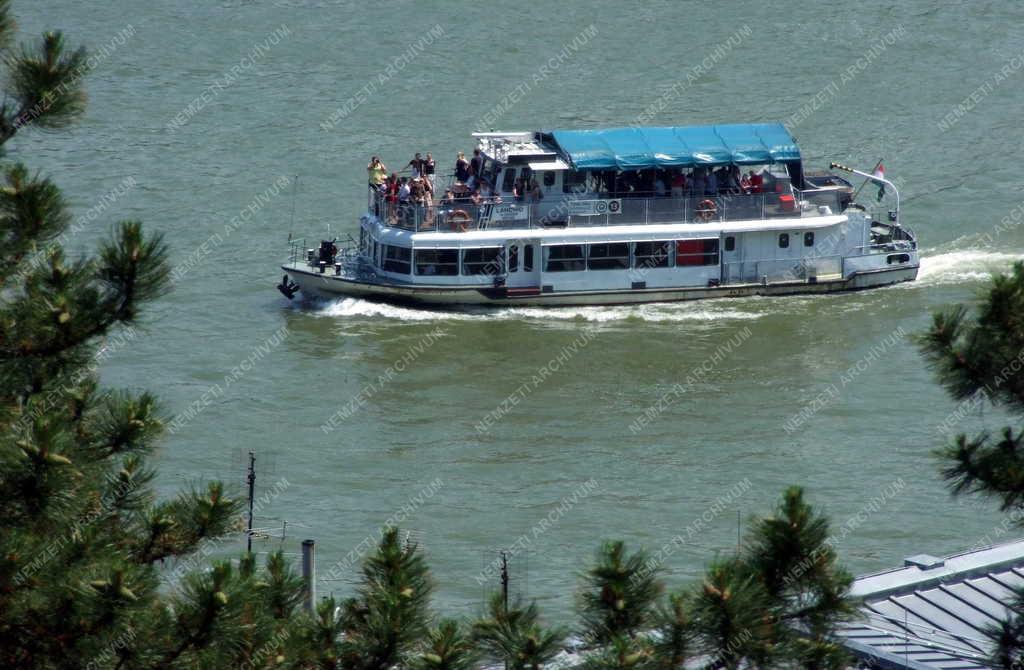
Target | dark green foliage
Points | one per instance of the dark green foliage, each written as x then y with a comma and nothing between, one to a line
673,644
734,617
45,83
620,653
981,357
382,625
84,537
515,636
619,594
446,648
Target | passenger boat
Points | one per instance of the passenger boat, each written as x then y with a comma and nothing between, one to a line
618,216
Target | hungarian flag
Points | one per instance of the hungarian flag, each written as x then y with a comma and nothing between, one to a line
880,174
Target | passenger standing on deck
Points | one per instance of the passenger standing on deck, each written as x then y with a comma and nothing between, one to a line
391,189
678,184
416,164
377,174
476,168
711,185
698,183
461,168
428,166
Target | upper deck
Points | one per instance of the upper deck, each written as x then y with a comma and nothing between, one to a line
497,212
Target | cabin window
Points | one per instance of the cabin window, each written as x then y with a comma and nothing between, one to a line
652,254
528,258
397,259
574,182
513,258
376,253
784,241
362,241
696,252
610,256
730,243
808,239
482,261
549,177
437,262
508,180
564,258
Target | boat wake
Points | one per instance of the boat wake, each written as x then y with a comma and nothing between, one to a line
954,267
697,311
967,265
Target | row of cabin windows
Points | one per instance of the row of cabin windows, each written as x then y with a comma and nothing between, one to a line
561,257
625,255
557,258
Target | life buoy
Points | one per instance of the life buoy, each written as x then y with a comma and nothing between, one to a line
706,210
459,218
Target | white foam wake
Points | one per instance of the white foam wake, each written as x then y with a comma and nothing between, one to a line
700,311
967,265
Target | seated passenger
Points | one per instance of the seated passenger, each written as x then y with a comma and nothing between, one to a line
416,191
536,194
731,182
756,182
449,198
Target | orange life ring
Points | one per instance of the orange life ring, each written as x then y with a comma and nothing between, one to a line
706,209
460,218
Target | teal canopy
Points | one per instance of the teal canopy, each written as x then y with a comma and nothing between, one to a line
677,146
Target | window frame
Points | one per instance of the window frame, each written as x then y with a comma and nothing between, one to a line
387,260
709,255
581,259
809,238
783,240
668,246
608,261
496,263
416,263
730,243
528,254
508,179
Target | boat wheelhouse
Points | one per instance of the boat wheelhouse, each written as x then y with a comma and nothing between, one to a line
616,216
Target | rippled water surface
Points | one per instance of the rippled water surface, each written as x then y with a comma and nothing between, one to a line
465,440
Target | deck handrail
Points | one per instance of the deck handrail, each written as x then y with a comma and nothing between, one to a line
462,215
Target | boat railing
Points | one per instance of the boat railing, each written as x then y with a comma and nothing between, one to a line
769,271
463,215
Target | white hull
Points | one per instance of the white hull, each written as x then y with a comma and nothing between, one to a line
329,286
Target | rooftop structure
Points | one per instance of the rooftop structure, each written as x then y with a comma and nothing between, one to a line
932,612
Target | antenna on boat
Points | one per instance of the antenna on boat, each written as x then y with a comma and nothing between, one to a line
291,226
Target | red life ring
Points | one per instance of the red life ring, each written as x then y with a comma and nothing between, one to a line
706,209
459,218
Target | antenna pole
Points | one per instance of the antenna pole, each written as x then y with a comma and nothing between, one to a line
504,579
251,478
295,185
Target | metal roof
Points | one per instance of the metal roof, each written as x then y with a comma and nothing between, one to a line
931,613
677,146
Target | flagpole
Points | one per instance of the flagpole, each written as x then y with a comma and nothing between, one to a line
883,180
865,182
